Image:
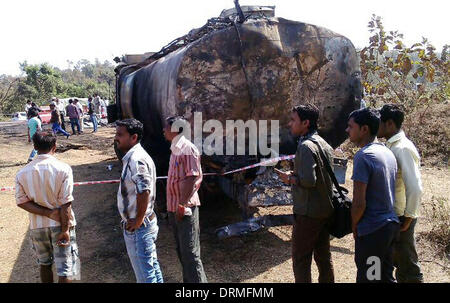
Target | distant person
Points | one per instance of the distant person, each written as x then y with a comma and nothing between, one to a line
35,108
34,105
34,125
27,106
102,108
44,189
183,202
408,193
311,191
56,121
74,115
62,112
77,103
92,114
97,103
136,200
374,221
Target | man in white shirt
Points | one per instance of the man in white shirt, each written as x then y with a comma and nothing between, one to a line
408,192
62,112
27,106
77,103
44,189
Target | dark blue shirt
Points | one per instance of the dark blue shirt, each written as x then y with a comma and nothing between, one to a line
375,165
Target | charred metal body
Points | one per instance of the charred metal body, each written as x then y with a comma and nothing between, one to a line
255,70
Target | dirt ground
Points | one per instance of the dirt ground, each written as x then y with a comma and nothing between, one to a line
264,256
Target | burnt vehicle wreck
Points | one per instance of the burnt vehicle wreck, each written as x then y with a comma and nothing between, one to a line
245,65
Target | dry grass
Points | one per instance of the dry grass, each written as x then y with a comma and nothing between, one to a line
264,256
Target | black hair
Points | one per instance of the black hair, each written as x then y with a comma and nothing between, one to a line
133,126
70,101
32,112
44,141
308,112
367,116
33,104
180,121
392,112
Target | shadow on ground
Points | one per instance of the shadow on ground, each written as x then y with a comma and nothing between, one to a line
103,253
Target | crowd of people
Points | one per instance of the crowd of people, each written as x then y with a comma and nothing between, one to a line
74,110
387,191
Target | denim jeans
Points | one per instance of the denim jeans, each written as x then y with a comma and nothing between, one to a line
57,129
141,250
73,122
94,121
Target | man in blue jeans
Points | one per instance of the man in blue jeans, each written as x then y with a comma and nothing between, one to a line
374,221
74,116
56,121
135,201
92,115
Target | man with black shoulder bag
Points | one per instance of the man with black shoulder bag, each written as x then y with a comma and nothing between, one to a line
312,189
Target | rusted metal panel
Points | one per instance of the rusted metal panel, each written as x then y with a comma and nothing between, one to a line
255,70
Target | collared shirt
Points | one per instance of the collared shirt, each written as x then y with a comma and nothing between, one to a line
184,162
60,107
48,182
80,109
408,183
311,195
138,175
72,111
375,165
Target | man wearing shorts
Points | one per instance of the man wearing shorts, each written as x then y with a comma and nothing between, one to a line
44,189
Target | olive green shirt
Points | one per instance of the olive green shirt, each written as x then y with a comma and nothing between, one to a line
311,194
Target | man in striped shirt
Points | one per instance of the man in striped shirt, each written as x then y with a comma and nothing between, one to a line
184,179
44,189
135,201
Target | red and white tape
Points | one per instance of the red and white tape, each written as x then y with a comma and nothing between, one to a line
263,163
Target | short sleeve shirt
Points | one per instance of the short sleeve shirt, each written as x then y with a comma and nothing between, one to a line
184,162
34,124
48,182
138,175
375,165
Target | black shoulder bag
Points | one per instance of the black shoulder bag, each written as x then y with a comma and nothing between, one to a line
341,224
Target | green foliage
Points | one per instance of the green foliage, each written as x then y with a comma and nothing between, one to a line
42,82
415,77
395,73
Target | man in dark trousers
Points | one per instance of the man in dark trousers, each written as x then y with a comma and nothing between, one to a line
185,177
408,193
311,191
374,221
